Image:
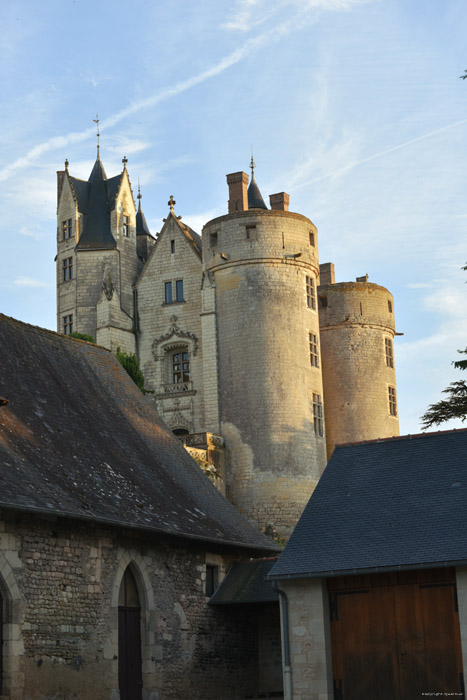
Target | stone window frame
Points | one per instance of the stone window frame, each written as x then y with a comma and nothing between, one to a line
312,239
67,229
313,344
310,289
68,324
389,352
67,269
392,399
126,225
318,415
174,286
178,366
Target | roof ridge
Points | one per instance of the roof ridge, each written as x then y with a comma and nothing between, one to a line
409,436
48,330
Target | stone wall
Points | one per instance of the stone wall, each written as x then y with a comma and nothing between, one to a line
168,328
309,638
356,319
60,583
260,262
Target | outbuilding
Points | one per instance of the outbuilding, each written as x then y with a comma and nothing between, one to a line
374,578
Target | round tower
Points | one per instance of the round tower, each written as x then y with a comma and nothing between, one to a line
263,264
357,330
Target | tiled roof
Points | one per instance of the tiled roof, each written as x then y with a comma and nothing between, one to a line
246,583
78,439
96,207
385,504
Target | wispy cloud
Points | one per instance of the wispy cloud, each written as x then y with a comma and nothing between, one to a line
30,282
306,13
348,167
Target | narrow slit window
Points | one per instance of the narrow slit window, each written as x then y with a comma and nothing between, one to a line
168,292
392,401
172,247
68,324
310,293
212,579
390,306
126,225
318,418
179,290
389,352
314,354
312,238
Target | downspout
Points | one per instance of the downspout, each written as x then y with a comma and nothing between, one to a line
285,643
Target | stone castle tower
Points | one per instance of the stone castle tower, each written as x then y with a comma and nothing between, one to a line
254,363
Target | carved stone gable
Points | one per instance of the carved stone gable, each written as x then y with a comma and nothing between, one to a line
174,332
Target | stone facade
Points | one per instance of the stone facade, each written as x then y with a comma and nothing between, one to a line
236,338
63,637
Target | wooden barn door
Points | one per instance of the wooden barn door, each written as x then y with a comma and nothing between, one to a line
129,640
395,636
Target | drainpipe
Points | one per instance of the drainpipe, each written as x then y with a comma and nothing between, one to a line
285,643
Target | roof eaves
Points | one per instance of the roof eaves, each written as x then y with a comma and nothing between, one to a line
333,573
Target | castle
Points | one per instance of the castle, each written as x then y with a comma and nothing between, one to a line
254,355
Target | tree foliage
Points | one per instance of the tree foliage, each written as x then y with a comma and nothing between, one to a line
455,406
83,336
130,364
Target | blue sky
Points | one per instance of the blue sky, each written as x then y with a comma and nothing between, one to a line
354,107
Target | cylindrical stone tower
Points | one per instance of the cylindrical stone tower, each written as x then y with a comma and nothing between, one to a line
357,330
264,267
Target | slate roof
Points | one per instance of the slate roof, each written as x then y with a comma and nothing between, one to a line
382,505
78,439
246,583
142,228
255,198
96,199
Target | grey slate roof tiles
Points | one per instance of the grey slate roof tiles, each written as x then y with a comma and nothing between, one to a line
78,439
400,502
246,583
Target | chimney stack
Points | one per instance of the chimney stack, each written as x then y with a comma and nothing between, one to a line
279,201
326,273
238,195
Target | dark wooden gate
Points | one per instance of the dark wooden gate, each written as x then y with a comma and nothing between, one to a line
395,636
129,653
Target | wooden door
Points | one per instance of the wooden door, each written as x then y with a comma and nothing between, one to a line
129,653
396,638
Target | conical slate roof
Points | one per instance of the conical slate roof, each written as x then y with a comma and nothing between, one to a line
142,228
255,199
101,192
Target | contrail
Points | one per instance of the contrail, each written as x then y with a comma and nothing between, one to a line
251,45
377,155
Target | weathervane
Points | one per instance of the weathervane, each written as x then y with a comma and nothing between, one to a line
252,165
96,121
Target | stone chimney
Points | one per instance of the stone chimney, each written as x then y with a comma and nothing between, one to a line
326,273
279,201
238,195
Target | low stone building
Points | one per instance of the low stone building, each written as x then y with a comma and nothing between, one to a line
375,574
112,541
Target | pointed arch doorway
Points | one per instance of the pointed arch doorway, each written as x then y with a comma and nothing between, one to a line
129,639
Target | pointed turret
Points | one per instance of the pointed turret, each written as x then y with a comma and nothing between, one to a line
255,199
144,238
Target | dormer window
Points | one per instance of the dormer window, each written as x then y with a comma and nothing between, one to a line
126,225
67,229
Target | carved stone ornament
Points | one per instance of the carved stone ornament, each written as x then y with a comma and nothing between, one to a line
174,332
107,285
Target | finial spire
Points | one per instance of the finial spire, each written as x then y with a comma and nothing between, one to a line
124,161
66,164
252,166
96,121
139,192
171,202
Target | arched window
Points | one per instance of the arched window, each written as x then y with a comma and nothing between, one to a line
129,639
180,367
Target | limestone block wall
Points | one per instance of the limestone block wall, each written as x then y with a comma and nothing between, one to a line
66,289
356,319
263,263
309,638
60,584
94,268
166,328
